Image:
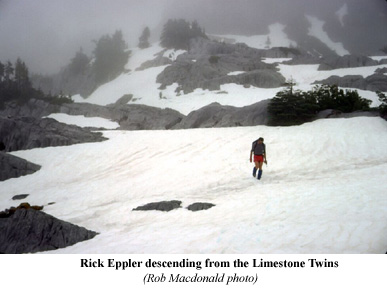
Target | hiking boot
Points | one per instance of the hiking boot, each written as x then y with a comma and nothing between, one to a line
259,174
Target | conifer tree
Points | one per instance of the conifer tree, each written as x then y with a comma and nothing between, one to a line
2,70
177,33
79,62
111,56
21,75
144,38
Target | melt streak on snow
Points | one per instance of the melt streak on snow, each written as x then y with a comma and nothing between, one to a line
323,190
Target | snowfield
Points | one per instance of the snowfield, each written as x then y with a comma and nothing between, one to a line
323,191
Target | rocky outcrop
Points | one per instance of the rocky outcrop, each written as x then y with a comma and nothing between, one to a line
216,115
129,117
208,65
375,82
22,133
26,229
34,108
161,206
141,117
12,166
160,60
346,61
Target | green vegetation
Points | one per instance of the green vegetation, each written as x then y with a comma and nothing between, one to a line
383,105
177,33
213,59
111,56
291,107
143,41
15,86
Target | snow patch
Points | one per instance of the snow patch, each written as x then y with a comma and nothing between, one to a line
275,60
235,73
172,54
316,30
276,38
83,122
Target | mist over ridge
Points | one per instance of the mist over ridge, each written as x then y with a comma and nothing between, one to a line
46,34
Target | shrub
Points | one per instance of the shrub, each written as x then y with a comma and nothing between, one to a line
213,59
290,107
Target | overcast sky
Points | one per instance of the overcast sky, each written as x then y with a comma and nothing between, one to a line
46,34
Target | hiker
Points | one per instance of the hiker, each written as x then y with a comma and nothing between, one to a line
259,150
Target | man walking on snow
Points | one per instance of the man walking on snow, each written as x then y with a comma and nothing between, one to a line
259,150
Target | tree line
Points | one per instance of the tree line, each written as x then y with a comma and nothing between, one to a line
15,85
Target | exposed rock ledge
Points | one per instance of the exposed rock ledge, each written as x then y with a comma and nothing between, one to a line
12,166
28,230
22,133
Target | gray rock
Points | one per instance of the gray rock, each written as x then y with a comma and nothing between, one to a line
22,133
383,61
12,166
332,114
34,108
141,117
30,231
161,206
346,61
200,206
207,64
129,117
375,82
303,59
158,61
20,196
216,115
381,70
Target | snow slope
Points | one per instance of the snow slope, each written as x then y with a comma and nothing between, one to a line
317,30
323,191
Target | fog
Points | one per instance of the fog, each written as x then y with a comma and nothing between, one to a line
47,33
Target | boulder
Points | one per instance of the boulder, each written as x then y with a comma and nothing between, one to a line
20,196
161,206
29,230
12,166
200,206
